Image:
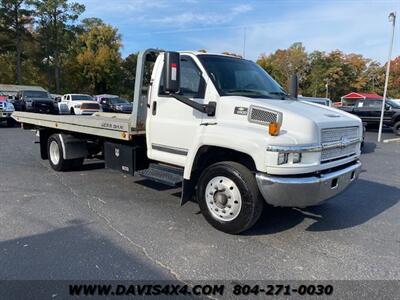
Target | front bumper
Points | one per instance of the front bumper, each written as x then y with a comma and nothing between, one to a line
87,111
308,190
5,114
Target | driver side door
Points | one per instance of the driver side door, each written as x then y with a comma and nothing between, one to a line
173,124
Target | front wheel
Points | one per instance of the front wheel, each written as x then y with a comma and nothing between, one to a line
228,197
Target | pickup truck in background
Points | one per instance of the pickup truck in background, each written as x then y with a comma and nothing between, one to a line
6,109
80,104
221,127
369,111
35,101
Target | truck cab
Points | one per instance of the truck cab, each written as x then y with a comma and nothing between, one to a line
310,153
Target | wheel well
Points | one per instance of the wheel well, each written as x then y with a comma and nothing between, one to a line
208,155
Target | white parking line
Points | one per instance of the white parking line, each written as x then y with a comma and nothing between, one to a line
392,140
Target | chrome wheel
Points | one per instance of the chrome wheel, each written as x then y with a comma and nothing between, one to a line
54,153
223,198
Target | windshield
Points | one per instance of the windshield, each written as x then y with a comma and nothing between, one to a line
81,97
394,104
119,101
36,94
239,77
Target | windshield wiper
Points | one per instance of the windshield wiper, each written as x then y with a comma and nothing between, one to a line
243,91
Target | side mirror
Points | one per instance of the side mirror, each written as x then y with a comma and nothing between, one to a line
171,72
388,107
294,86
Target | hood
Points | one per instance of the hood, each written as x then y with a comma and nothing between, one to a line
300,119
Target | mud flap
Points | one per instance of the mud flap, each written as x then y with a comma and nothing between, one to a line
188,188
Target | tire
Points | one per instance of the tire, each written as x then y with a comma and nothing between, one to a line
396,128
72,111
228,197
56,156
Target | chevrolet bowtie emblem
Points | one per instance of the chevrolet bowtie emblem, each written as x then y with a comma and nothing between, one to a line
344,142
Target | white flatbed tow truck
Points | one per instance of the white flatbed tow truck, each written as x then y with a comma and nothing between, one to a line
222,128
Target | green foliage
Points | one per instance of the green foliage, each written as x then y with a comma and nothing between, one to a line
98,54
15,19
283,63
55,19
340,73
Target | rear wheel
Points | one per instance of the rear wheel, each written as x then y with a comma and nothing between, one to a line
228,197
396,128
56,156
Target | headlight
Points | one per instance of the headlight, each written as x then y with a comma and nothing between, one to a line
284,158
77,106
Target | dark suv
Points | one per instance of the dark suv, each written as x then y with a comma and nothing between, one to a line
36,101
369,111
116,104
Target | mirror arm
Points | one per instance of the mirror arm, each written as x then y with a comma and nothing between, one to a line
208,109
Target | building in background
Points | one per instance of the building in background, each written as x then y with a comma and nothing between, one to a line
351,98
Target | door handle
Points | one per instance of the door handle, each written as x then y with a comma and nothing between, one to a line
154,110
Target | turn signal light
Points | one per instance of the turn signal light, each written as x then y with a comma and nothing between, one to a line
274,128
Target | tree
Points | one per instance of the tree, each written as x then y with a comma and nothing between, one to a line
375,77
55,18
284,63
98,54
15,17
129,75
394,80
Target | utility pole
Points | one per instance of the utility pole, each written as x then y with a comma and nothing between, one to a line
392,19
244,42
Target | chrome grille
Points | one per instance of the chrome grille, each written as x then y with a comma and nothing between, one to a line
90,106
263,116
336,135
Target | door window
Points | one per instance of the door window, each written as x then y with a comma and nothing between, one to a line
192,84
376,104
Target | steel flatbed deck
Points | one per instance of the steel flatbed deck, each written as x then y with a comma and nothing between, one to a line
110,125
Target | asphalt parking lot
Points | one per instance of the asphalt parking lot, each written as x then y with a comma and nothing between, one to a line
99,224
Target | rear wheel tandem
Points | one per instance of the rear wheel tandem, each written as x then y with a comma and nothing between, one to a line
56,156
228,197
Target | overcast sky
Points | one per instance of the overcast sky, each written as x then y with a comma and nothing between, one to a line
359,26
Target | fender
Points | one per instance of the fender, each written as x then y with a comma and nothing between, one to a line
246,146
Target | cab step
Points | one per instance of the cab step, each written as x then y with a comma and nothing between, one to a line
165,174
